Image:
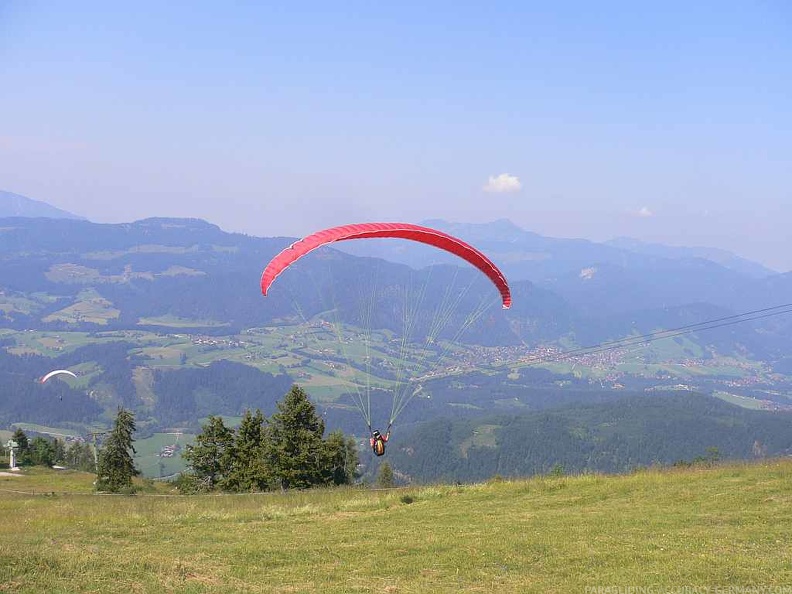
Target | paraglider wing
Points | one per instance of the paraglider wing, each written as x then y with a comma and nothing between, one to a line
408,231
56,372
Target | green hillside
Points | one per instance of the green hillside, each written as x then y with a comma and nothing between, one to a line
612,436
662,530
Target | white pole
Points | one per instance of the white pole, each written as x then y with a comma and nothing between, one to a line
11,446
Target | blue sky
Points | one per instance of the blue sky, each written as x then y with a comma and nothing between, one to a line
667,123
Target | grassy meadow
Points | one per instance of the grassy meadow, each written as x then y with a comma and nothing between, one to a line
726,526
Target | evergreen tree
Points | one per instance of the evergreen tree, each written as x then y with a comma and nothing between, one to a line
59,451
248,467
385,476
296,452
23,451
341,459
21,438
210,457
42,452
79,456
116,467
288,453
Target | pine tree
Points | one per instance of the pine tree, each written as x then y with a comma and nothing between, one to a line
23,447
79,456
385,476
297,453
116,467
42,451
59,451
21,438
341,459
211,455
248,469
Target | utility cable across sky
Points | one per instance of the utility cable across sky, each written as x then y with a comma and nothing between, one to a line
644,339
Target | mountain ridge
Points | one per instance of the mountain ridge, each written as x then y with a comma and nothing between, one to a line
16,205
499,236
145,257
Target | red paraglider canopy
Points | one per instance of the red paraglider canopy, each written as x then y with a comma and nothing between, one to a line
417,233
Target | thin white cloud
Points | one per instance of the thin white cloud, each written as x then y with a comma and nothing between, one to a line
503,183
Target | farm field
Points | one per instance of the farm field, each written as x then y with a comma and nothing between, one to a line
160,454
316,358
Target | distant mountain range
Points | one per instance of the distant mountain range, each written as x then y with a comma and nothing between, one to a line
614,288
562,288
15,205
165,316
719,256
524,255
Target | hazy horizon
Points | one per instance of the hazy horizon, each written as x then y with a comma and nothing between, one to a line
668,124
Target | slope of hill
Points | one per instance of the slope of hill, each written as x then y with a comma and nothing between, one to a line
722,257
130,275
725,528
15,205
602,280
120,276
528,255
615,436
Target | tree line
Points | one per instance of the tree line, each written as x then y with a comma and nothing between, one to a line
47,451
614,437
285,451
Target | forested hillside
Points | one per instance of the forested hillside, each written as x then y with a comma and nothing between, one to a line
617,436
